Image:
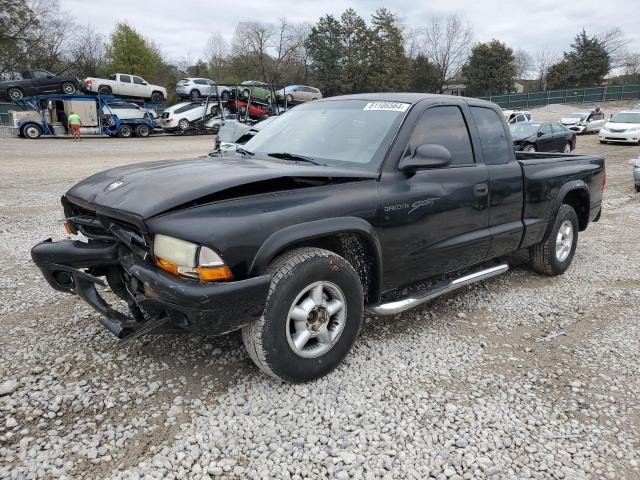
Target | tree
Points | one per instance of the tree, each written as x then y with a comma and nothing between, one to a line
423,75
558,75
490,69
447,44
356,47
522,62
216,52
544,59
251,41
326,50
588,61
389,71
130,52
86,53
617,47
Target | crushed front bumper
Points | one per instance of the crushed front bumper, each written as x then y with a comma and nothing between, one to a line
154,296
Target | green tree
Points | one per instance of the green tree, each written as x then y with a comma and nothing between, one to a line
588,61
356,41
326,50
423,75
129,52
490,69
558,75
389,70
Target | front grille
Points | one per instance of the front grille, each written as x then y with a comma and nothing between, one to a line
107,229
614,130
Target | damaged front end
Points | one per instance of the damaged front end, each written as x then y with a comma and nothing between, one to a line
118,254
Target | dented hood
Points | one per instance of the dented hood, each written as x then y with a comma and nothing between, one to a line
150,188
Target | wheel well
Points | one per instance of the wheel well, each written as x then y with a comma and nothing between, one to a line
579,200
356,250
158,92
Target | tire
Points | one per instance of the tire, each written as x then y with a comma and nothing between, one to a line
314,99
225,96
31,131
68,88
143,131
320,341
289,98
245,93
603,142
110,121
567,148
125,131
157,97
103,90
184,124
15,94
194,94
554,255
530,148
637,188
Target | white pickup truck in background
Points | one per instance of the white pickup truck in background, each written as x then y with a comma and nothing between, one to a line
126,85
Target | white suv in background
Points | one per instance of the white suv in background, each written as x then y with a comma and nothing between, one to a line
622,127
182,115
128,111
195,88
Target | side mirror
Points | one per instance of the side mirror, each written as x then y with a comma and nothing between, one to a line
540,133
50,76
145,83
426,156
610,116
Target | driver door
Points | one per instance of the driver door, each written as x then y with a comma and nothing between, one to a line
546,142
45,82
436,221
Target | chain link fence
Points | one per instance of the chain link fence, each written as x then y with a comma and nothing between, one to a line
570,95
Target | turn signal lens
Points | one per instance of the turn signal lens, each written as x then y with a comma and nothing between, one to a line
167,266
68,228
215,274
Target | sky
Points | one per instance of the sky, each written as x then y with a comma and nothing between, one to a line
181,27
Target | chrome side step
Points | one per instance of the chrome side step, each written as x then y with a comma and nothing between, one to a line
430,293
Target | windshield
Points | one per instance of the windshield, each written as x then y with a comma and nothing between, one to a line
626,117
338,132
524,129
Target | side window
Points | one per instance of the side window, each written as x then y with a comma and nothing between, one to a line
112,77
546,129
445,126
138,80
40,74
494,140
188,107
558,128
200,82
125,78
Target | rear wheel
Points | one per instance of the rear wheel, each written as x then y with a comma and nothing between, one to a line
143,131
184,124
312,316
195,94
637,188
554,255
125,131
68,88
224,96
602,141
31,131
15,94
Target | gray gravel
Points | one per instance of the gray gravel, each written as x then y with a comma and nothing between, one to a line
459,389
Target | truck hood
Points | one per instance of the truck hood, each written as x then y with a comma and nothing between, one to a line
151,188
570,120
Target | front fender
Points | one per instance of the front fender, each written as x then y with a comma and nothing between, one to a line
282,239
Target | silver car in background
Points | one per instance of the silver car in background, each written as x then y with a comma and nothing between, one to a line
195,88
298,93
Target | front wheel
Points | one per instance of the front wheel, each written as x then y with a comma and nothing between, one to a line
31,131
312,316
554,255
224,96
68,88
15,94
157,97
195,94
530,148
567,148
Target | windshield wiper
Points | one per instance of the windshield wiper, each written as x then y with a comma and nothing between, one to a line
244,152
294,157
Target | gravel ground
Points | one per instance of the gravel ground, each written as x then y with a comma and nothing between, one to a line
457,389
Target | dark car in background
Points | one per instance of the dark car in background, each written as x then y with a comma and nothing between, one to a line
542,137
37,82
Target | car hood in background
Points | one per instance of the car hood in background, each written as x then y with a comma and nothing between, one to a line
151,188
570,120
621,127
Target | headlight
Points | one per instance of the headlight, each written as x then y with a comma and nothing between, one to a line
637,164
604,129
633,129
187,259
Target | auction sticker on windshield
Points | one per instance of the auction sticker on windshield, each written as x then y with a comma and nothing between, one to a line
387,106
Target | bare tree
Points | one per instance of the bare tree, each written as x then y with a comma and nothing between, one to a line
286,43
87,52
631,66
413,42
252,41
616,45
543,60
216,52
522,61
447,44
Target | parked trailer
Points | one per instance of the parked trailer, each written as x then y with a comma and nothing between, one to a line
48,114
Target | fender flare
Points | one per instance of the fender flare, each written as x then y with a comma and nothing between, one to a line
293,234
562,194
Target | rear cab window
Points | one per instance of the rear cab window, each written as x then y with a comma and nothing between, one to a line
125,78
496,147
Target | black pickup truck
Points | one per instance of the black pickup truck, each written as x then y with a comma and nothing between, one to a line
37,82
330,210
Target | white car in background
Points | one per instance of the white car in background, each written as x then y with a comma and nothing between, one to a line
183,115
195,88
583,122
126,85
622,127
516,116
128,111
298,93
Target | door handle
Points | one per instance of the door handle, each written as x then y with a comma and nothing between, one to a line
480,189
